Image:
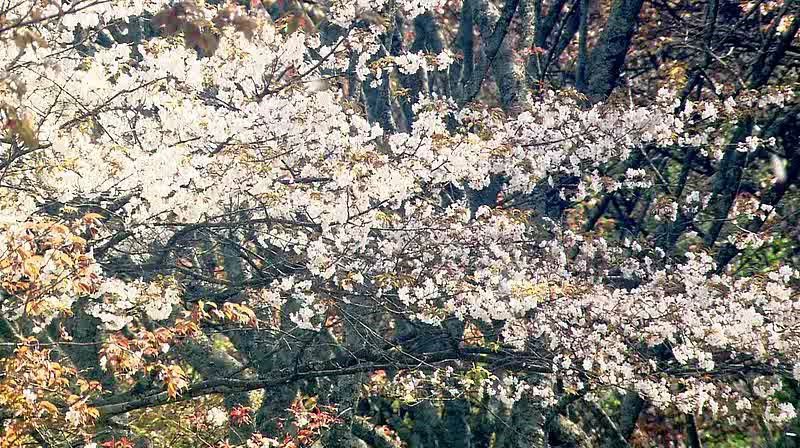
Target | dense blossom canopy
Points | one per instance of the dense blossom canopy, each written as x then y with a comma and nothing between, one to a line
340,222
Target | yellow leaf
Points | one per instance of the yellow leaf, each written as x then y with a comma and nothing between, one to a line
91,218
33,307
175,380
172,390
49,407
32,266
27,133
77,241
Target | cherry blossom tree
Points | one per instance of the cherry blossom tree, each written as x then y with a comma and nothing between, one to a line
385,223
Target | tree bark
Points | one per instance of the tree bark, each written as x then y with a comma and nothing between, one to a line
608,55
